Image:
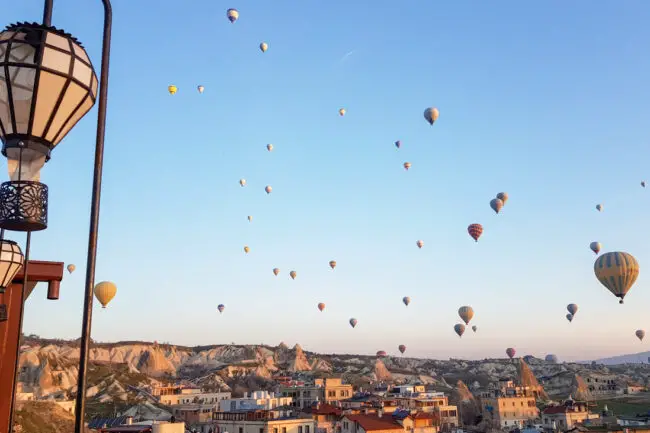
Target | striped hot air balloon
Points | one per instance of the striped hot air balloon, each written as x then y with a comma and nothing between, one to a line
511,352
475,231
617,271
466,313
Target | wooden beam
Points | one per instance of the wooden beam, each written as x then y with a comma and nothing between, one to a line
14,298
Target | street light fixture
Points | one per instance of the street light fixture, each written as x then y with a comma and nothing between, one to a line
47,84
11,260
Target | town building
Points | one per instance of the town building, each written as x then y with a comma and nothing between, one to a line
398,422
566,415
262,400
509,405
326,417
603,384
323,390
178,394
262,421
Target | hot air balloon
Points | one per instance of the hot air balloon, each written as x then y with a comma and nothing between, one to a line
172,89
595,247
321,306
293,275
276,271
381,354
233,15
475,231
406,300
353,322
269,147
510,352
71,268
617,271
221,307
407,165
643,183
466,313
503,196
250,218
569,317
460,329
640,333
572,308
342,112
431,115
247,249
264,46
242,182
398,144
474,328
200,89
402,348
420,244
332,264
268,189
105,292
496,204
599,207
551,358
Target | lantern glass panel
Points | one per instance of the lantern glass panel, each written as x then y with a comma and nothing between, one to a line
22,90
50,87
73,96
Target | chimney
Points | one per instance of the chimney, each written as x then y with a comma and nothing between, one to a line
380,413
129,420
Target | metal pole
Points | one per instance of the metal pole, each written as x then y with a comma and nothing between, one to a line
20,330
47,13
80,407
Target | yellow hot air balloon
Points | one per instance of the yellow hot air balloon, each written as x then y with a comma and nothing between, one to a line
264,46
246,249
172,89
71,268
242,182
466,313
105,292
200,89
617,271
342,112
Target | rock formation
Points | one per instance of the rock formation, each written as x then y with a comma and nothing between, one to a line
469,408
527,378
381,372
579,389
299,361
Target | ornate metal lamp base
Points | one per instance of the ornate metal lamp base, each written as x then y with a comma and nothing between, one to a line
23,206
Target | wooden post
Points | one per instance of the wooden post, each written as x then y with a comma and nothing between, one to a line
14,298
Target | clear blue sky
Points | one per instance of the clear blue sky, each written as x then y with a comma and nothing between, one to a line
545,100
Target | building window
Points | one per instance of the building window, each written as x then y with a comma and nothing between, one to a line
306,429
284,430
299,429
241,429
262,430
345,425
275,430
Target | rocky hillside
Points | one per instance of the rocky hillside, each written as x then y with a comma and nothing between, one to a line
122,373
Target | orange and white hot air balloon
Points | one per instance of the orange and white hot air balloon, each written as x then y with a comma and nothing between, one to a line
105,292
268,189
71,268
341,111
264,46
407,165
321,306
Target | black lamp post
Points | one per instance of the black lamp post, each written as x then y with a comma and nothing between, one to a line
47,84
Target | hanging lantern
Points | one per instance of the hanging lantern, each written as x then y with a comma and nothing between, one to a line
47,84
11,260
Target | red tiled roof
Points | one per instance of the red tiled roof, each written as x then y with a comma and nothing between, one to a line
424,415
373,422
553,410
326,409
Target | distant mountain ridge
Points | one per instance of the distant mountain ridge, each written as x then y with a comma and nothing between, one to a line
635,358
